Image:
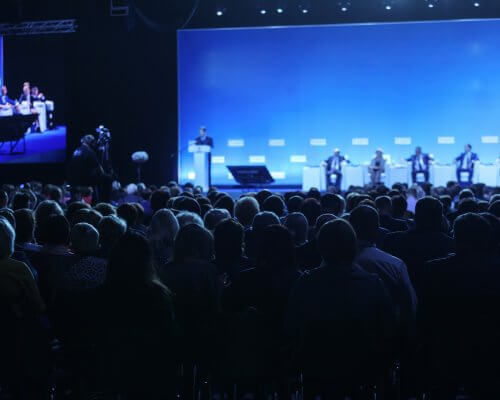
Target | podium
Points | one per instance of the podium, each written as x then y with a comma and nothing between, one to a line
201,162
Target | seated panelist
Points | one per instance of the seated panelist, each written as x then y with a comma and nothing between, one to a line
333,166
465,164
377,167
5,100
36,94
419,164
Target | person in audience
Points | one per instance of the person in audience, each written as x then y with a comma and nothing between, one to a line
161,234
399,207
426,242
51,261
111,228
297,224
214,217
229,248
137,329
43,211
333,204
262,195
159,199
260,221
24,362
186,203
340,309
186,218
311,210
391,270
226,202
4,199
194,280
294,204
459,307
105,209
21,200
87,271
275,204
387,221
245,210
494,208
25,231
128,213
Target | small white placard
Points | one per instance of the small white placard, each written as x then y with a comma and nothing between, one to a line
446,139
360,141
236,143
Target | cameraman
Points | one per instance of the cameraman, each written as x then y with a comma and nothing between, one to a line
84,168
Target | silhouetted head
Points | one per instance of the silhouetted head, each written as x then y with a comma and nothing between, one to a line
25,225
384,205
275,248
214,217
429,214
84,238
294,204
228,239
494,208
263,219
274,204
473,234
127,212
399,206
312,210
333,204
193,242
54,231
226,202
297,224
365,221
337,243
246,209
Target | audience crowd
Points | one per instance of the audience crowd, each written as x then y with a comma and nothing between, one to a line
168,292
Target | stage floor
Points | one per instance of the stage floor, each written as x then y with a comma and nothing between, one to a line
46,147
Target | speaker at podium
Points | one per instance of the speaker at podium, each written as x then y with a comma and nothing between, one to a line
201,161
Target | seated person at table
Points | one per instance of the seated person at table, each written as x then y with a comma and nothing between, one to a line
465,163
419,164
377,167
36,94
334,167
26,94
5,100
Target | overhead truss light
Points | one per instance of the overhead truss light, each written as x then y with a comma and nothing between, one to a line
344,5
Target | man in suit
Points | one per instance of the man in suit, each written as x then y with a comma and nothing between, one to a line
339,309
334,168
459,312
419,164
424,243
26,95
465,163
204,140
387,221
5,100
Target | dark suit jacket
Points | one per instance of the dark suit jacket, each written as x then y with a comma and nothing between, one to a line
6,100
458,313
460,158
207,142
415,248
329,162
393,224
425,158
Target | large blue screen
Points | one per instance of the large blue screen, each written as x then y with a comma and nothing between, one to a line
285,97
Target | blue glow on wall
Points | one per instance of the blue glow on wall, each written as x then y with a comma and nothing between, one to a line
422,80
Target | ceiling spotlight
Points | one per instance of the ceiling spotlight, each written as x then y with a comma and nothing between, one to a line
279,10
344,5
263,11
388,4
431,3
219,13
304,6
476,4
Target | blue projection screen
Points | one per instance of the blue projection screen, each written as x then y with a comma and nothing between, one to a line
285,97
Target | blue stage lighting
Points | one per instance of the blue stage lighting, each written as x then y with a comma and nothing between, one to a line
431,3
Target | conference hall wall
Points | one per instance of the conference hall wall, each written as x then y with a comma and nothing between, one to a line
284,97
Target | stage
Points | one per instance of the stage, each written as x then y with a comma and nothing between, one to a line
46,147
